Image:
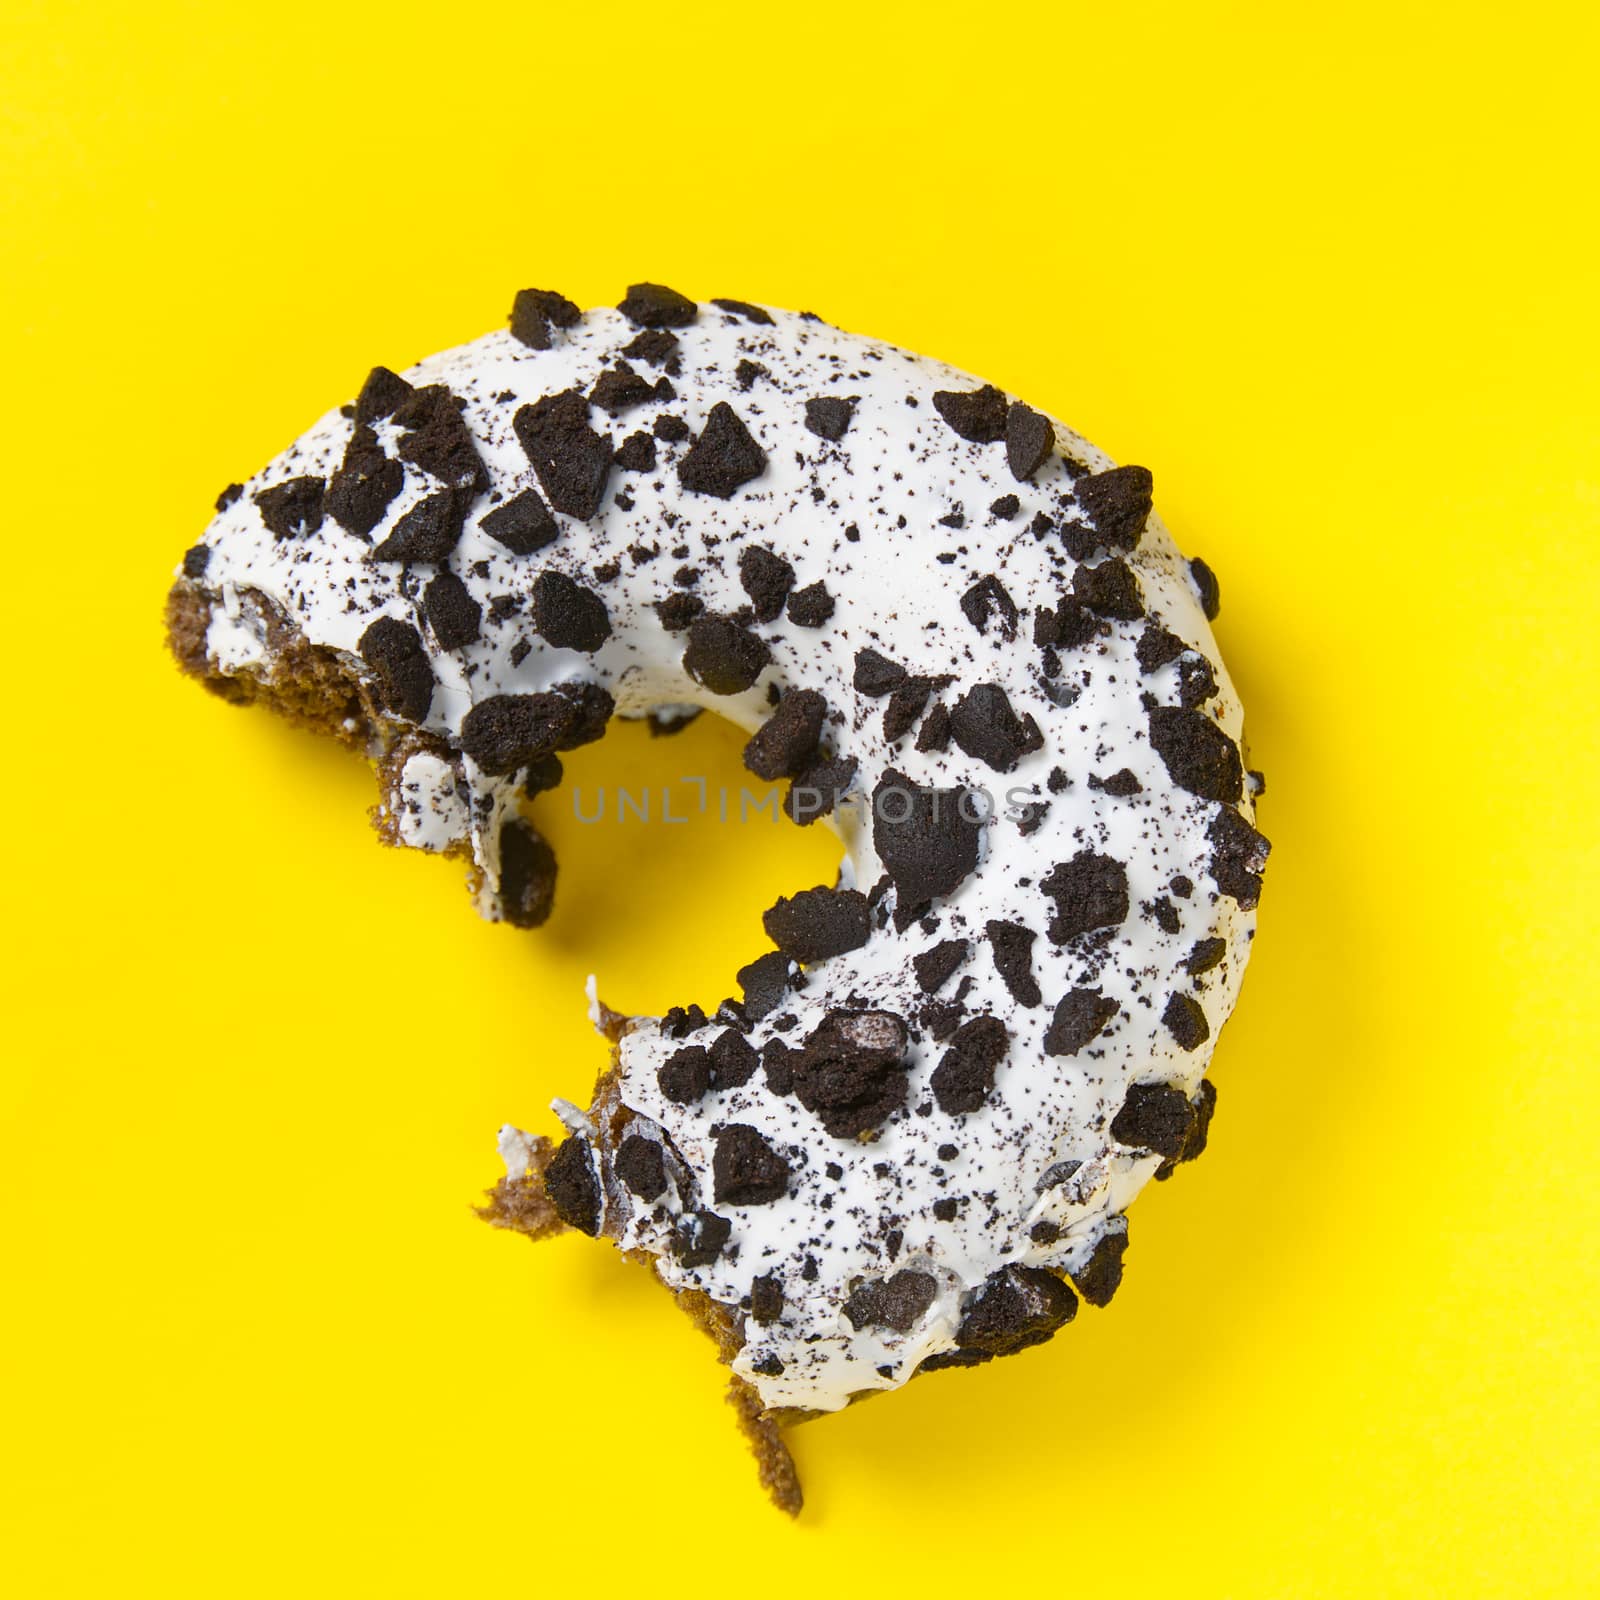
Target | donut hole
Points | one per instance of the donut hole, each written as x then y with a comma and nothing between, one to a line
668,853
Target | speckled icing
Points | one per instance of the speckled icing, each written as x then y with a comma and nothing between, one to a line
918,498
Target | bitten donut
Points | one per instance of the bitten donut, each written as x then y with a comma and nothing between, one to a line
960,636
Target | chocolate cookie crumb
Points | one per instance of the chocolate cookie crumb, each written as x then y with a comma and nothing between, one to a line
811,607
1080,1016
724,458
1030,438
978,415
394,652
653,305
573,1189
818,923
828,416
723,656
1012,945
453,615
746,1170
523,524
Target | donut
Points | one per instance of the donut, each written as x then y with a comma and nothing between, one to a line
956,633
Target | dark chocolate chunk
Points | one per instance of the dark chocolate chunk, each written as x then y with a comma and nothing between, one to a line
571,459
678,610
523,524
568,615
453,614
1164,914
1238,857
783,746
818,790
589,709
1157,646
1101,1275
935,967
652,305
1204,1107
935,734
898,1302
1090,891
1067,627
195,560
1206,954
724,458
1185,1020
983,724
681,1021
1117,504
746,1170
394,652
439,440
733,1060
766,1298
428,532
828,416
383,393
1109,590
572,1186
1012,944
698,1238
535,311
654,345
1029,440
876,675
724,656
767,578
637,453
544,774
743,308
988,601
291,508
1122,783
1079,1017
527,876
619,389
1196,681
812,606
964,1078
1016,1309
904,707
818,923
367,480
765,981
851,1072
642,1167
1154,1116
506,732
777,1061
1207,587
978,415
927,838
1198,755
685,1076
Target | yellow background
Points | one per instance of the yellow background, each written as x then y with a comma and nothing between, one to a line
1331,276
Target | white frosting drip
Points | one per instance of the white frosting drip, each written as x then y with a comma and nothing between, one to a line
898,470
433,812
